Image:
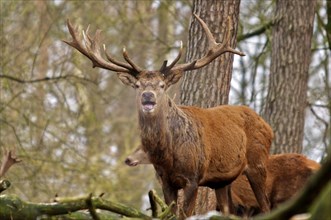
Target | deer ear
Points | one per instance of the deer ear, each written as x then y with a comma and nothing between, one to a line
173,77
127,79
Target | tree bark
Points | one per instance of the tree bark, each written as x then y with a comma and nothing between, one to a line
290,59
209,86
328,24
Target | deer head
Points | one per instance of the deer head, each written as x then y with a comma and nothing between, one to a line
150,85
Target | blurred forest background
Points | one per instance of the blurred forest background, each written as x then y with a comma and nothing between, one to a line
73,125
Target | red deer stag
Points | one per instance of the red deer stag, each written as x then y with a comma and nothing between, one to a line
287,174
190,146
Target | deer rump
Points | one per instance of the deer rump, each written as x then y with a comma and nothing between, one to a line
286,175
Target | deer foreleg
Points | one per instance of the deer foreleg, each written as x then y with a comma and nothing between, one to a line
190,195
170,195
257,179
224,199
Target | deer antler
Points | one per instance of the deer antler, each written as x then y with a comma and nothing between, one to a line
7,161
90,47
214,50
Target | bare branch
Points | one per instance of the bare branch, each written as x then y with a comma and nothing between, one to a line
256,32
23,81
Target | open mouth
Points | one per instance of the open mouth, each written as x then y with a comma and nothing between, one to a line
148,106
131,163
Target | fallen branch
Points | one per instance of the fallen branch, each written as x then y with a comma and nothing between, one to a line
12,207
4,184
157,199
91,208
153,203
165,210
167,214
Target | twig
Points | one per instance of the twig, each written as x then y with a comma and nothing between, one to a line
166,214
326,124
4,184
158,200
91,208
23,81
153,203
260,30
256,32
166,210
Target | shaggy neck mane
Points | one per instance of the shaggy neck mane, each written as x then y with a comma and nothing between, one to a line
161,130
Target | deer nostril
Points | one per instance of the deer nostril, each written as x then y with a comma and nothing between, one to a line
148,96
127,161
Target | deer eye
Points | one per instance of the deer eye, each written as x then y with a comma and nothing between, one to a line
137,85
162,85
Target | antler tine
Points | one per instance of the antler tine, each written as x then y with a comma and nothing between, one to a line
91,49
92,44
164,68
119,63
75,39
132,64
214,49
86,35
211,40
228,38
178,56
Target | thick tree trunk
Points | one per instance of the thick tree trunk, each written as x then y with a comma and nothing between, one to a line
290,59
209,86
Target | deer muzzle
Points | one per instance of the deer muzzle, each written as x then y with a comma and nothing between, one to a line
148,101
131,162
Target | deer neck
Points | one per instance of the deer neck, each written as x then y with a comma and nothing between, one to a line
157,130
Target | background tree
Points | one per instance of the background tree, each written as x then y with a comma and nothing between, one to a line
209,86
249,84
287,93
